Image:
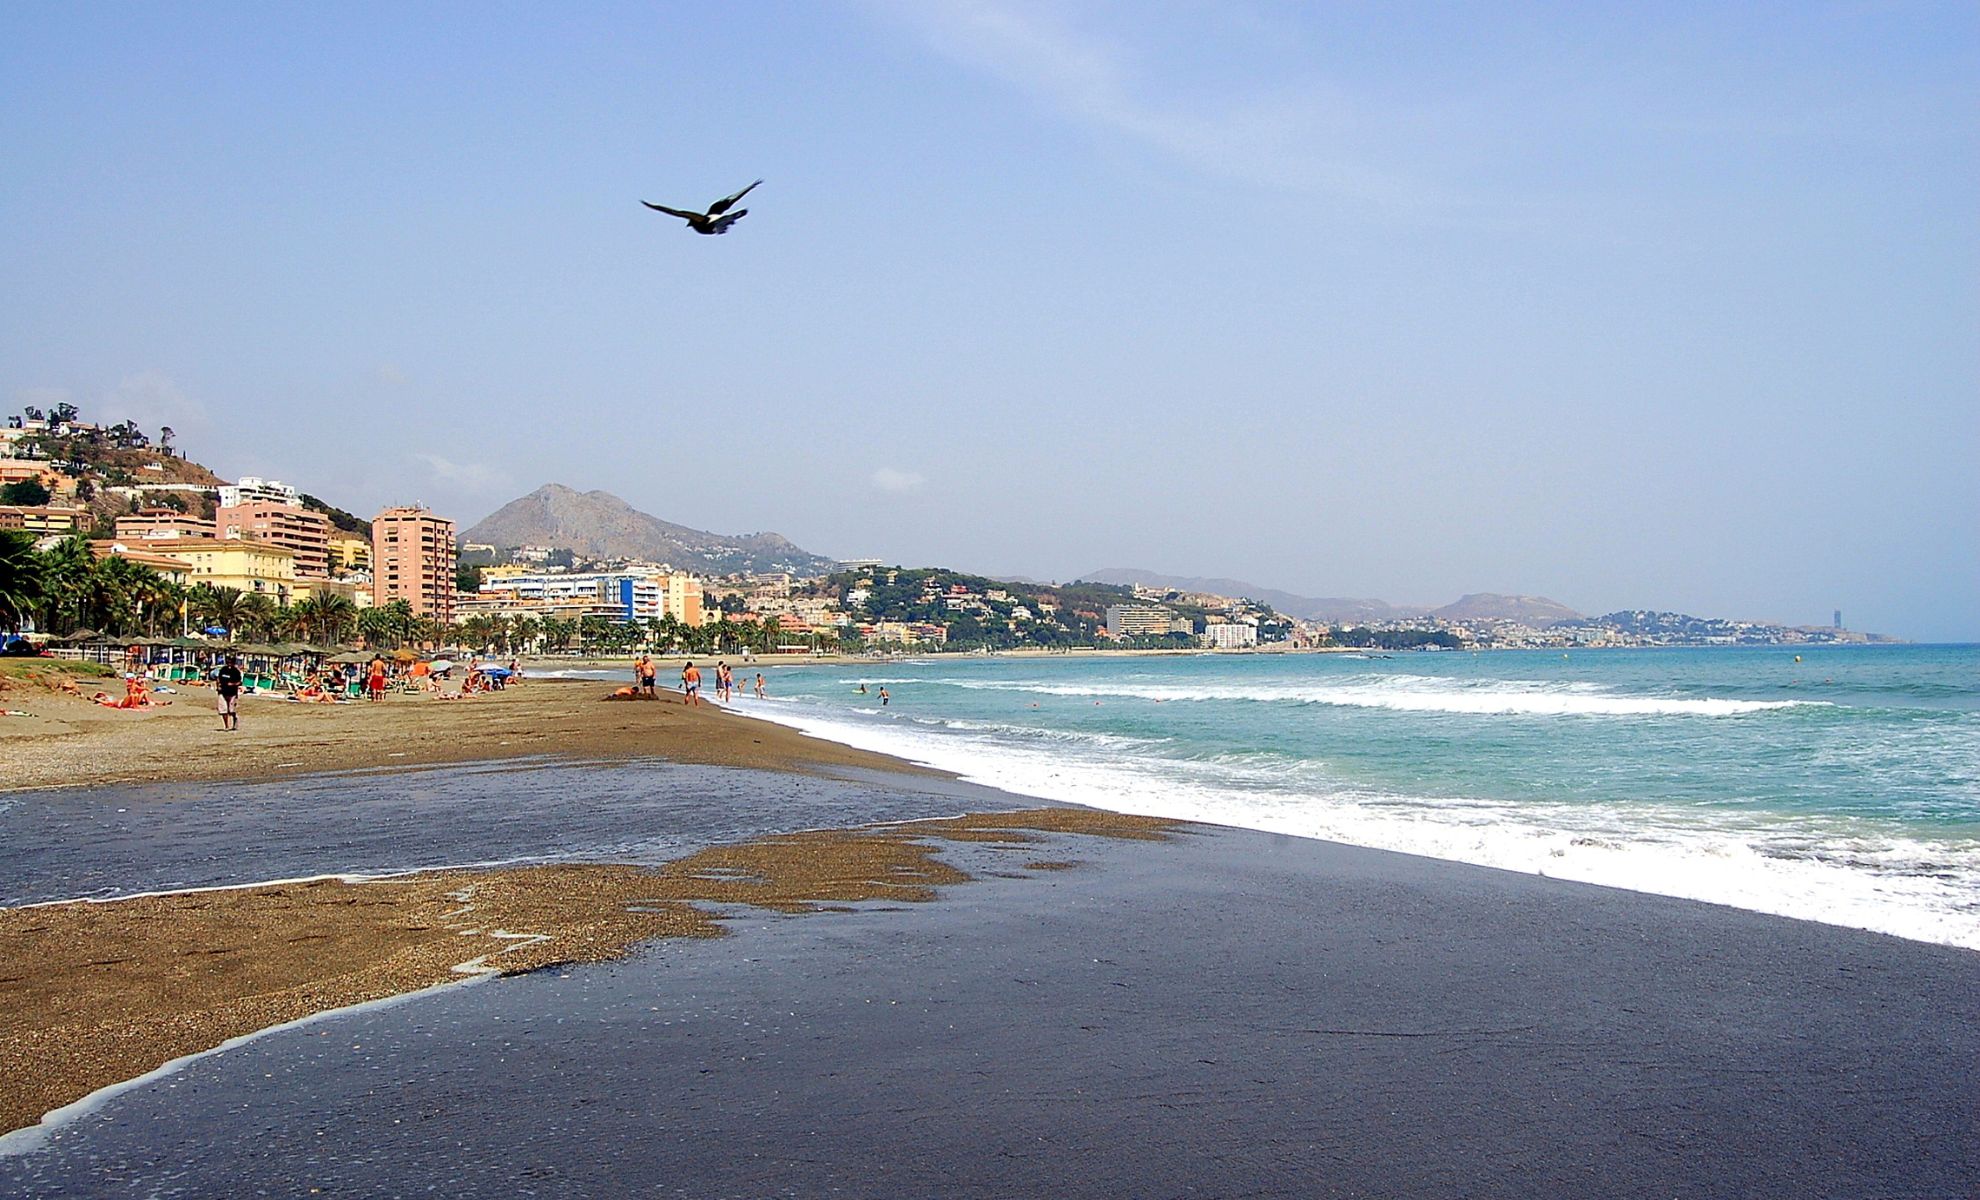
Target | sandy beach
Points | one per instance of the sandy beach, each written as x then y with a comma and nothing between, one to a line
66,741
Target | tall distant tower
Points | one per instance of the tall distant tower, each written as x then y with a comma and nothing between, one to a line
412,559
1839,618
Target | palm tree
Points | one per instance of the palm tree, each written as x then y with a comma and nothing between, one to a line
68,571
557,632
213,605
374,625
117,591
259,614
478,631
334,615
159,597
322,616
404,623
20,579
523,631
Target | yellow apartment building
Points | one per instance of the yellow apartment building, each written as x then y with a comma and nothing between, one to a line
245,566
349,552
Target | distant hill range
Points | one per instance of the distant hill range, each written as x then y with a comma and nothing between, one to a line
1307,608
597,525
1535,611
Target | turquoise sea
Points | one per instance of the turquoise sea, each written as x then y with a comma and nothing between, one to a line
1840,786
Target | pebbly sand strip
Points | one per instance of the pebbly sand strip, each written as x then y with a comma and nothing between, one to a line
92,993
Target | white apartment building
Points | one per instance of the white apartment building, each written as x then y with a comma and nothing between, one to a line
1231,635
250,489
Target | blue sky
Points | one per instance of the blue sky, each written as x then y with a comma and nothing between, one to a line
1645,306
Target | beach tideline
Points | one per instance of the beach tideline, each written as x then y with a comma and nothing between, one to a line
1216,1012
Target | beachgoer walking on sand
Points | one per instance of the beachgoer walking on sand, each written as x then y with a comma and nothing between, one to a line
883,697
646,677
759,685
374,682
691,685
227,685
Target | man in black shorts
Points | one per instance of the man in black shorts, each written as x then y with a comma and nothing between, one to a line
227,685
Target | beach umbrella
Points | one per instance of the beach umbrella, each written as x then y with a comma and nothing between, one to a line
443,664
404,655
351,658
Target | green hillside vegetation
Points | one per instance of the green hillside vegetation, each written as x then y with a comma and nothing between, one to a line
1060,616
348,522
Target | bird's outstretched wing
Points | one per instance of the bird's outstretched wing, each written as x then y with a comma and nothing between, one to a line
721,206
672,212
721,224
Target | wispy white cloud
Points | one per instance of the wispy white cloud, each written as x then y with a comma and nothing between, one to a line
388,373
1295,138
893,479
468,477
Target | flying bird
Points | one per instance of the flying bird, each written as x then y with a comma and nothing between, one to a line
717,219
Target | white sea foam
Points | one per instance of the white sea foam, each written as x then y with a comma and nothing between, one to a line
1410,693
1844,873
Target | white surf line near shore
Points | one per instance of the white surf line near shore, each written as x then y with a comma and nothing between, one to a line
1734,866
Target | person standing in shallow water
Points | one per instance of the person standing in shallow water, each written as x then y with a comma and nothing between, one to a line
691,685
884,697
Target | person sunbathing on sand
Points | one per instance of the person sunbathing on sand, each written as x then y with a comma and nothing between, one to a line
135,696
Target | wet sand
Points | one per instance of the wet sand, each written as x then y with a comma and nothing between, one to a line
69,742
95,993
1221,1013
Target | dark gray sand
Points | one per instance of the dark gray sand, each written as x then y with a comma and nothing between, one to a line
1223,1014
